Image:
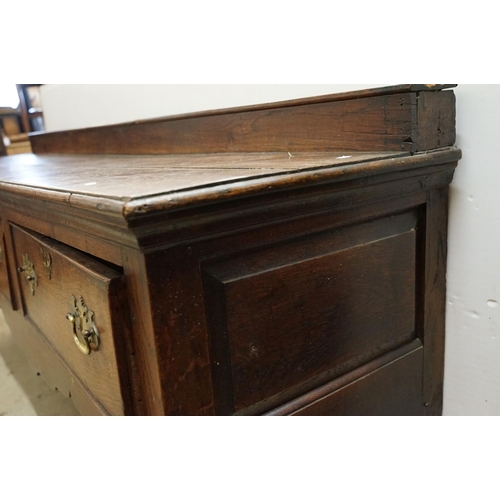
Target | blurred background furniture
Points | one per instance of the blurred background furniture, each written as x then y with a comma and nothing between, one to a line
3,150
30,107
17,122
10,126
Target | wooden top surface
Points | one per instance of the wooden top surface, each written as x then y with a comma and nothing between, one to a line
129,177
136,185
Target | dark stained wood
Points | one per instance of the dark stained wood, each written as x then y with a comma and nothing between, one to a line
393,389
251,282
75,274
186,374
156,174
381,123
121,327
181,338
372,120
60,224
339,96
10,262
311,309
302,402
193,224
4,269
3,149
436,246
85,226
436,120
272,185
158,185
218,337
180,330
143,342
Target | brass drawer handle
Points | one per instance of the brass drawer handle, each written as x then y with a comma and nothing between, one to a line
84,330
47,262
28,269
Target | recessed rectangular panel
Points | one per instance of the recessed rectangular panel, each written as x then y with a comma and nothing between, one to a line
288,317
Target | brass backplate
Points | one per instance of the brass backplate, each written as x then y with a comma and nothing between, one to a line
47,261
28,269
85,332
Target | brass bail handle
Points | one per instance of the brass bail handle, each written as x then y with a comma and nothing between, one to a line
28,269
84,330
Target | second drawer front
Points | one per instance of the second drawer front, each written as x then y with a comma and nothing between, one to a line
77,302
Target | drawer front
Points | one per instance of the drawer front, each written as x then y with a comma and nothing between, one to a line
388,386
78,303
4,274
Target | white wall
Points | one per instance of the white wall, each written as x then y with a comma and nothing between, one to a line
472,366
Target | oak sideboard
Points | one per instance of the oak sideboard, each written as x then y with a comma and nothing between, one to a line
280,259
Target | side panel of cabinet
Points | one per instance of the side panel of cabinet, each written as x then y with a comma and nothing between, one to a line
247,321
287,318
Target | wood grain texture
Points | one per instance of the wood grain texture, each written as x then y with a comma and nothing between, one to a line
158,185
435,298
339,96
365,172
81,232
145,353
296,315
10,261
394,389
194,214
325,391
436,120
380,123
172,347
157,174
368,120
4,269
180,339
180,331
192,224
273,273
